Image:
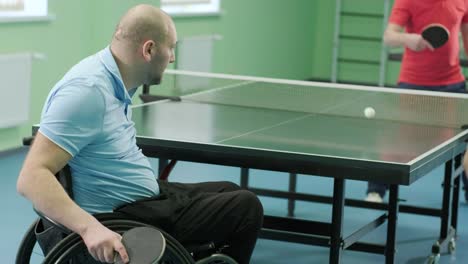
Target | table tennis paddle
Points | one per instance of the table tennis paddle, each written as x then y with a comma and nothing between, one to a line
436,34
144,245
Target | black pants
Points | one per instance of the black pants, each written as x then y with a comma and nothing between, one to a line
218,212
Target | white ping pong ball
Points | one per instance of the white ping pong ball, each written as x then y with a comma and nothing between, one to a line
369,112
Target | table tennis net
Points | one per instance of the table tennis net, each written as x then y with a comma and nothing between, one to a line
422,107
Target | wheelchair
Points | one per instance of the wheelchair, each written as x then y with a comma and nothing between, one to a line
72,245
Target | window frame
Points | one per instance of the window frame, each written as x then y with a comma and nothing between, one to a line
184,8
32,10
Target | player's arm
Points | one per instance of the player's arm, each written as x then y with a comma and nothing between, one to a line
37,183
394,36
464,33
68,124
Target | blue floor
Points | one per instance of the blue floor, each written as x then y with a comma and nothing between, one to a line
415,234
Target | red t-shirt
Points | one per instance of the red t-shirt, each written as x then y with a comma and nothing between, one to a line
441,66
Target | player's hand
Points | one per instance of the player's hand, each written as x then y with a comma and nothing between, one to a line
103,243
416,42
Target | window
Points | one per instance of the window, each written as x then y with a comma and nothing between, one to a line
23,10
11,5
191,7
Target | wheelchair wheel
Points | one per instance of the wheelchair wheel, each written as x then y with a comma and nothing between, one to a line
26,246
73,245
217,259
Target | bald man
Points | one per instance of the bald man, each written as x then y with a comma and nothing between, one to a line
86,123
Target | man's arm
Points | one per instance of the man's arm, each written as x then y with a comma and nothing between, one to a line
464,32
395,37
37,183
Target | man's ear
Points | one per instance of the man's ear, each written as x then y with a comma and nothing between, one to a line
148,49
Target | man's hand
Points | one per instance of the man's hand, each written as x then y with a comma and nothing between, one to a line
416,42
102,243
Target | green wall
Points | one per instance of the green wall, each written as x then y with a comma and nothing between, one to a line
261,37
76,32
323,19
360,42
63,41
271,38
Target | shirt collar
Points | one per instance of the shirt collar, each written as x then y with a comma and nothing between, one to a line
121,92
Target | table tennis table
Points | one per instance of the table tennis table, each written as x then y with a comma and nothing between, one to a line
316,129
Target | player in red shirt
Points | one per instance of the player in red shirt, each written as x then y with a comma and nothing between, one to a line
424,67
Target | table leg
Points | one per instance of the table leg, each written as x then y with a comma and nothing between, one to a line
336,236
447,186
390,247
244,178
292,189
162,163
456,191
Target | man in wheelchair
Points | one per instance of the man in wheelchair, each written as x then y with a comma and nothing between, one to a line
86,123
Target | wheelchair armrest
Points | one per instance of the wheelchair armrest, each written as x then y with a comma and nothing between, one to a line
54,223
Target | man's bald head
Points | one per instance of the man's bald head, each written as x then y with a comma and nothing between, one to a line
142,22
143,45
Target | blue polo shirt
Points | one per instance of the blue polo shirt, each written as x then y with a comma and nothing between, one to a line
87,114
